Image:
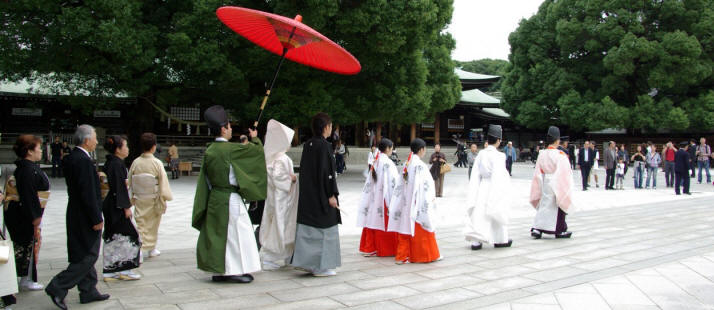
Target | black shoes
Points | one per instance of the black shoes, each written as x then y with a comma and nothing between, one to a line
536,234
476,247
563,235
59,302
93,298
503,245
246,278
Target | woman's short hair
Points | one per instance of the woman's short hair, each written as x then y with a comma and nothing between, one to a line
319,122
416,145
147,141
113,143
24,144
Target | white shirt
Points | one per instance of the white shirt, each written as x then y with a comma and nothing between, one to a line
85,151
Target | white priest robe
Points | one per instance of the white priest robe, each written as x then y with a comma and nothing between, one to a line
488,201
551,189
241,249
413,200
377,194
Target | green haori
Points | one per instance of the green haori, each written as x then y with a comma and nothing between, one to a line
210,206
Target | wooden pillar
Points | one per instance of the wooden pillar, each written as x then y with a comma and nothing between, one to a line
412,133
378,134
437,124
296,136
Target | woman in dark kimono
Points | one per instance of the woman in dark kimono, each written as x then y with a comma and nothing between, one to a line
24,213
121,240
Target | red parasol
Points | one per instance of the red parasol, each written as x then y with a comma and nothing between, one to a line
290,39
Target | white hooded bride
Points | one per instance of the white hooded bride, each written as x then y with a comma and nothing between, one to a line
277,229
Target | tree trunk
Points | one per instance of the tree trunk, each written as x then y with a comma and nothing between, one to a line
412,133
296,136
139,122
437,124
378,134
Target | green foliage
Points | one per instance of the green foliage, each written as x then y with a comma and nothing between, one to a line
176,52
594,64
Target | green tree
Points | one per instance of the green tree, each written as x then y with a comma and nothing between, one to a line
177,52
594,64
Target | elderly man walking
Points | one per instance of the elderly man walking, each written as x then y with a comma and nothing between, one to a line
84,223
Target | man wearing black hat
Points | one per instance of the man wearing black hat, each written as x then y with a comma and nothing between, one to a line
230,173
681,168
489,200
552,189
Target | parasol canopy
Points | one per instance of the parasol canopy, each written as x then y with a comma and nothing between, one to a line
289,38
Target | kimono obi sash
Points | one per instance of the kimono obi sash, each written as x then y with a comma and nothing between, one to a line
144,186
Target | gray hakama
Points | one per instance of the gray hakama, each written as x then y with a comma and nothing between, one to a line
316,248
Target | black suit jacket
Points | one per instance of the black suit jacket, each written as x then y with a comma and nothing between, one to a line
586,162
84,207
681,161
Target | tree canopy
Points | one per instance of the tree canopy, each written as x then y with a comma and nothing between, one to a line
176,52
595,64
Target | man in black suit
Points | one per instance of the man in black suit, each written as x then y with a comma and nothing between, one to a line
681,169
84,223
585,159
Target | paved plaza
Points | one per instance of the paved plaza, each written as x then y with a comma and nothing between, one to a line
631,249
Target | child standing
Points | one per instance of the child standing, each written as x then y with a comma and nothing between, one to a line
620,175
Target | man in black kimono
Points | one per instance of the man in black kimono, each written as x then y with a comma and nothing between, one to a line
84,223
317,240
681,169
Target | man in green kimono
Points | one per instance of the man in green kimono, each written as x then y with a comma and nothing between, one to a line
230,172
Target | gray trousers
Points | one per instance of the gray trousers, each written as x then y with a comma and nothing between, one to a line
669,173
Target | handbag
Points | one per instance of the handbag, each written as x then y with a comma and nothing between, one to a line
445,168
8,274
5,250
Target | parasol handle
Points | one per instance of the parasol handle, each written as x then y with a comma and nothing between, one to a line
272,83
275,77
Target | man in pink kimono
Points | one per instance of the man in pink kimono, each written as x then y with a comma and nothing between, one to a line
552,189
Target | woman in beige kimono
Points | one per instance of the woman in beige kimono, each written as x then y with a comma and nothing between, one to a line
150,191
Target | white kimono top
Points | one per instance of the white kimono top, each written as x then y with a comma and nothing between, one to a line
413,200
377,194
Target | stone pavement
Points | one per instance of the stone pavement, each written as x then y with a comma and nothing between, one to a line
631,249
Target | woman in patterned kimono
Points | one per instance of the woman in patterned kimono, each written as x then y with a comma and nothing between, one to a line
121,241
23,216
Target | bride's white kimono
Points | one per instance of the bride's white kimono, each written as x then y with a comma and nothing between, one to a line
489,199
551,190
277,228
377,194
413,199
